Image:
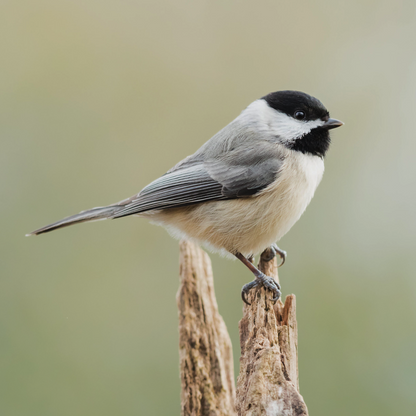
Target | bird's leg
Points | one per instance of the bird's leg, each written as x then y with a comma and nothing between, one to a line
260,279
271,251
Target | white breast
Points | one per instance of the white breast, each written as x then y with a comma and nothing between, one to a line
294,189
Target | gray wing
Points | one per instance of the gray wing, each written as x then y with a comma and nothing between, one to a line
235,174
245,172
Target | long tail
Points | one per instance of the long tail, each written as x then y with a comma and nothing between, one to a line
94,214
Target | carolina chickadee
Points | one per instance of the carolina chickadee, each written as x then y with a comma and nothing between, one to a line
244,188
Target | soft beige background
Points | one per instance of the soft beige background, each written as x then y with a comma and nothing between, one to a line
99,97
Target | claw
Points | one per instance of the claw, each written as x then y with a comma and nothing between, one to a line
274,300
271,252
261,278
246,288
282,254
267,282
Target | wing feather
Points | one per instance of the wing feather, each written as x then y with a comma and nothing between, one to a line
179,188
236,174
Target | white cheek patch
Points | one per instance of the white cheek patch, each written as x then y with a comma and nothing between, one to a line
290,129
277,123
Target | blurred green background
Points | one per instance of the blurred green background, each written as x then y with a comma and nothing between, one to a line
98,98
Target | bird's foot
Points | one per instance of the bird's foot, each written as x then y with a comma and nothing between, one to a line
265,281
271,251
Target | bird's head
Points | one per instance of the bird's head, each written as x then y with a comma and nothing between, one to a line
297,120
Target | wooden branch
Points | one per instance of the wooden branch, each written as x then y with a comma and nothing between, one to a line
268,381
206,359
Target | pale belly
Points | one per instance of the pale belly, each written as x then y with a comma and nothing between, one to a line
249,225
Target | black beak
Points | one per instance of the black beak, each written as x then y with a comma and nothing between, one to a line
332,123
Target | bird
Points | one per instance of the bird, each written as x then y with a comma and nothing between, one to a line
242,190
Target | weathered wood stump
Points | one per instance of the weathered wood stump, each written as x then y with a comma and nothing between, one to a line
268,381
205,351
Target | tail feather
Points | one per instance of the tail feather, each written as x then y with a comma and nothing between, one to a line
94,214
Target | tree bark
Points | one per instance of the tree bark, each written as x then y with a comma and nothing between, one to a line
268,381
206,359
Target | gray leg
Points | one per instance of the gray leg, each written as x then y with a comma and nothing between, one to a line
260,279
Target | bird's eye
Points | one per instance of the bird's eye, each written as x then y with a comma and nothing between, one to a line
299,115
